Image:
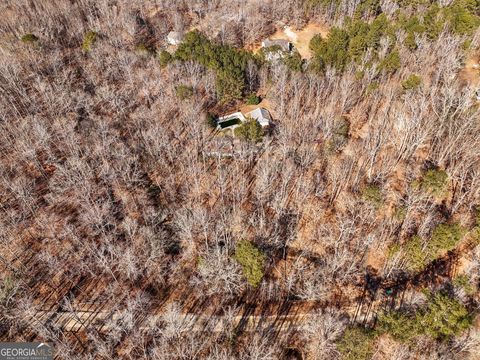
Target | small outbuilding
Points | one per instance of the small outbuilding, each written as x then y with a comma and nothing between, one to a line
174,38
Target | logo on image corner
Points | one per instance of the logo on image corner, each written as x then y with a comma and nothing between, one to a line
26,351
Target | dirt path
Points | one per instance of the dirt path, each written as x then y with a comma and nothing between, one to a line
75,321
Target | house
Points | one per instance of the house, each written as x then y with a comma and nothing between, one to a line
174,38
284,45
276,49
232,121
261,115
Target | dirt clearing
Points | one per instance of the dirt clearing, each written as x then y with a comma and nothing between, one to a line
265,103
470,74
301,38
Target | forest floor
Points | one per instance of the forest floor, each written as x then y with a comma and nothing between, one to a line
87,309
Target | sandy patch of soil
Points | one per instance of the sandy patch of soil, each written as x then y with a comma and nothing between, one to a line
376,258
265,103
470,74
463,265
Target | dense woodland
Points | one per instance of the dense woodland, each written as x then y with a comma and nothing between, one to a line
349,229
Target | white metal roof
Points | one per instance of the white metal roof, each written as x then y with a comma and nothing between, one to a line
285,45
174,37
261,115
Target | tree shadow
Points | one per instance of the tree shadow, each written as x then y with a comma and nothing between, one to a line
389,292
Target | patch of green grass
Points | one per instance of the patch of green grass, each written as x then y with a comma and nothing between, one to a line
88,40
251,260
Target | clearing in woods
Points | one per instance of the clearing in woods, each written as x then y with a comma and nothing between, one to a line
301,38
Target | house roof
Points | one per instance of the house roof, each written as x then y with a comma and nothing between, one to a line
261,115
285,45
174,37
237,115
